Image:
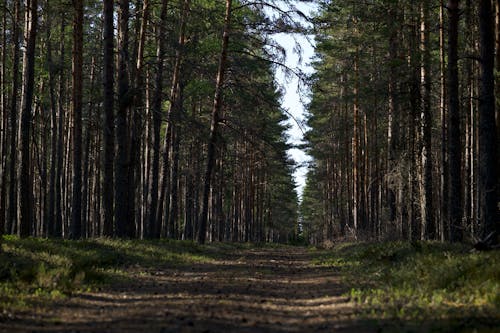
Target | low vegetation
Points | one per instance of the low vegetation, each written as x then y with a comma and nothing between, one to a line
35,269
419,280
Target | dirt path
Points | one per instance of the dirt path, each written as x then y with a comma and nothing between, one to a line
258,290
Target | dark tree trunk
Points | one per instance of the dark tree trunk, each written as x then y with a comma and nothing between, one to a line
393,119
487,131
109,117
172,229
444,156
454,148
136,126
53,142
124,206
76,216
4,119
26,183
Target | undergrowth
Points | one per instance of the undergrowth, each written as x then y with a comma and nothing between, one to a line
419,280
35,269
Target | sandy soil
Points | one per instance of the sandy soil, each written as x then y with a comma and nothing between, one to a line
257,290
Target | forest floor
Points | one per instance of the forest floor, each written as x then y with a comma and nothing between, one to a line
233,289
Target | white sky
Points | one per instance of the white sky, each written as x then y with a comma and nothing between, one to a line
292,100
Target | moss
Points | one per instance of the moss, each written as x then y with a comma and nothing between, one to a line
48,268
419,280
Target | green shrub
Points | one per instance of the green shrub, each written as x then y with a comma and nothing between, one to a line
419,279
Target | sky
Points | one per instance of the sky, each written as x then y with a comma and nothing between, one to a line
293,101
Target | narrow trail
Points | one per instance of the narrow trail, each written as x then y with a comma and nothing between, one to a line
255,290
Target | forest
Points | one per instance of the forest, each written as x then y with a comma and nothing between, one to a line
404,122
147,182
110,126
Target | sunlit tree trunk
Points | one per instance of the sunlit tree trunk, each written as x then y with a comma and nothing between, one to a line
58,228
454,145
155,211
426,201
16,34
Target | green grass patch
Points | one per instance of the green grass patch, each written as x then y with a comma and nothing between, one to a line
419,280
39,269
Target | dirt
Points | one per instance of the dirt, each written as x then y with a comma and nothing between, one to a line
255,290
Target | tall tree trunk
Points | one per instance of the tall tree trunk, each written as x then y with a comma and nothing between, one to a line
87,229
58,229
53,142
487,132
413,137
454,148
442,105
109,117
136,118
393,120
215,122
4,119
154,227
355,151
172,113
426,204
25,188
77,95
124,206
172,230
497,90
12,214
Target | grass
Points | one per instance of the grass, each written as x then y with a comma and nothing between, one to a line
34,269
420,280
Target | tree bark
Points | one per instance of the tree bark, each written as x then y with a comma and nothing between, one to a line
426,211
215,122
12,214
58,228
487,131
124,206
53,143
154,227
109,117
172,113
25,189
454,146
77,96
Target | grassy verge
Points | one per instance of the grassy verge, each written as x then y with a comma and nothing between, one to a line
419,281
33,270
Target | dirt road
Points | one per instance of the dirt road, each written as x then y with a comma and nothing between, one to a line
255,290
